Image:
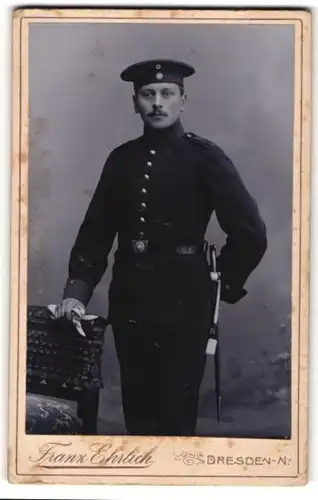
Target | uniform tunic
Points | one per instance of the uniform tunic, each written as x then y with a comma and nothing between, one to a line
161,189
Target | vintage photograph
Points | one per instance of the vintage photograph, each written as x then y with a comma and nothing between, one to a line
160,170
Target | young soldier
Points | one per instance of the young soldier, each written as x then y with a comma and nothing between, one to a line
157,193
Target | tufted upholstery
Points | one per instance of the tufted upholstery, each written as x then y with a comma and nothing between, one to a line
49,416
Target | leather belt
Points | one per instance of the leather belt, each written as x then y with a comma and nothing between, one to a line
143,246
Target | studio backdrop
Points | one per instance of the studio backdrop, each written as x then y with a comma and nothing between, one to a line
241,98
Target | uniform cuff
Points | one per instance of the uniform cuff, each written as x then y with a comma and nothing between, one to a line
231,294
78,289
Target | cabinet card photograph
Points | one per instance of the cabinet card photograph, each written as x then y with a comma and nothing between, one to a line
160,246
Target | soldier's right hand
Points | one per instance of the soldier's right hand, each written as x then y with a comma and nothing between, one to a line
69,307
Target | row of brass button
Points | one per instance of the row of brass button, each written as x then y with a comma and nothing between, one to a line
143,205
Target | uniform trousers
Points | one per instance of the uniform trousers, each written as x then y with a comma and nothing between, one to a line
161,371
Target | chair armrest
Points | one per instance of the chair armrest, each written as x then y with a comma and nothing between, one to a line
58,355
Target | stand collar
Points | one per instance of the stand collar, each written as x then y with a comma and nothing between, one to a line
163,136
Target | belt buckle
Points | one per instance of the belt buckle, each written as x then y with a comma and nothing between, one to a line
140,246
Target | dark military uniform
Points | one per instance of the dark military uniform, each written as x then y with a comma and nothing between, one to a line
161,190
157,193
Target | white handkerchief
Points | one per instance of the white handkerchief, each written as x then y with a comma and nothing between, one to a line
77,316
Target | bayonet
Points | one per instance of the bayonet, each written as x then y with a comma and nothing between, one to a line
213,345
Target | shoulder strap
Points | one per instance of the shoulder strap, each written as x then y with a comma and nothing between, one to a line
201,141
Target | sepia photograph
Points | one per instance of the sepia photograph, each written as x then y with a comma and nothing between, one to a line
160,246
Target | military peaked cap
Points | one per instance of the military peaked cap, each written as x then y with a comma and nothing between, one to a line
156,71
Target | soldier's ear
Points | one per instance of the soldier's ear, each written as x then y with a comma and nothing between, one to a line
183,101
135,104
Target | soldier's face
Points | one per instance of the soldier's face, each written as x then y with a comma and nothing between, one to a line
159,104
